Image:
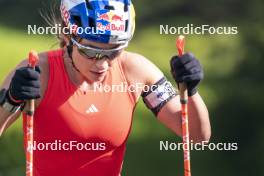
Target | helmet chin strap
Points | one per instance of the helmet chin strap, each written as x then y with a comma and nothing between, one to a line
69,50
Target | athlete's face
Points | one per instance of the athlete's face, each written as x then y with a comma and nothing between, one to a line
91,68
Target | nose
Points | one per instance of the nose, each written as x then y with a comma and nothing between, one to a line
102,64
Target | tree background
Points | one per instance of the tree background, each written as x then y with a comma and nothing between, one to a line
232,88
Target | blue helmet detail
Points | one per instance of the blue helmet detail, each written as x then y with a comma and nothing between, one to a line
105,21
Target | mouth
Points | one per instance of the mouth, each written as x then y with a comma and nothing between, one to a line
99,73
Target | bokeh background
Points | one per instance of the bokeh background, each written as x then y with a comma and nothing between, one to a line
232,88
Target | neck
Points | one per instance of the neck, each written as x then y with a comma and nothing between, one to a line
74,75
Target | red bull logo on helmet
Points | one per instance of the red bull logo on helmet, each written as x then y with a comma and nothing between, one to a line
65,14
104,17
117,18
110,21
109,17
66,17
110,27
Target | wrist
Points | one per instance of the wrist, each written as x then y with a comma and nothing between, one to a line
7,104
12,100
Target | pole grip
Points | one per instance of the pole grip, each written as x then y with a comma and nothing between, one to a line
32,62
180,42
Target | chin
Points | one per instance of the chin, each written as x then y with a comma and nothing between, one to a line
95,78
99,79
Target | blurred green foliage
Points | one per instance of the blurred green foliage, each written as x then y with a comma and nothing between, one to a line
232,88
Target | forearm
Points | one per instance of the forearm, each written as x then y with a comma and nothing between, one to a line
199,123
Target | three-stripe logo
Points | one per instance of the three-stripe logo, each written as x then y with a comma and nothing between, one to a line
92,109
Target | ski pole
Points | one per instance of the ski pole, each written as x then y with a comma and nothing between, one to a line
32,62
184,102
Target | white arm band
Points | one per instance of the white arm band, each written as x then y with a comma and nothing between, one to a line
158,95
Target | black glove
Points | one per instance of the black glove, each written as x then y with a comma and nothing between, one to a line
25,85
187,69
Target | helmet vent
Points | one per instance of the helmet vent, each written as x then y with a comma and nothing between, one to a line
88,5
126,5
126,8
126,27
77,20
91,22
108,7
